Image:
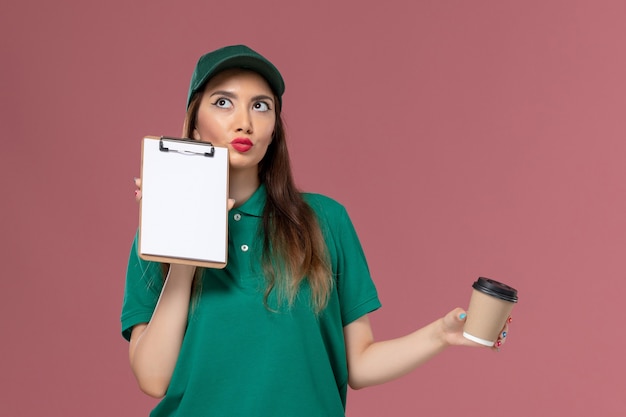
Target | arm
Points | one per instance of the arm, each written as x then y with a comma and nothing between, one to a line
154,346
371,363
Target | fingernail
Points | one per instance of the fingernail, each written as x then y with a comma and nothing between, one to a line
498,343
510,320
503,335
462,316
136,191
135,179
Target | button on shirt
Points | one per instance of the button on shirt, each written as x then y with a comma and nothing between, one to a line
236,216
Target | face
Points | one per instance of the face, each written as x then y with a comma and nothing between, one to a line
237,111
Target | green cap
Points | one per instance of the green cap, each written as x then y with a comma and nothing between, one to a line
235,56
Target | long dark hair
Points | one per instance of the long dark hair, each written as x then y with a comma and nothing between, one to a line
293,245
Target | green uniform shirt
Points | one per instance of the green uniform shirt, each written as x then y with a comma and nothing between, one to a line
240,359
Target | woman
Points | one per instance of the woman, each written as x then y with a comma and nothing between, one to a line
283,329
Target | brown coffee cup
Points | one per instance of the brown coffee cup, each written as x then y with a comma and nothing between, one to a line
490,307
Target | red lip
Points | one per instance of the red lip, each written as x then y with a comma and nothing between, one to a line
241,144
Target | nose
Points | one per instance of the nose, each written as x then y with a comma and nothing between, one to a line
244,121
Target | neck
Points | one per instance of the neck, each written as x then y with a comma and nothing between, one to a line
242,184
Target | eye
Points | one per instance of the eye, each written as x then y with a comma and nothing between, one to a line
223,103
261,106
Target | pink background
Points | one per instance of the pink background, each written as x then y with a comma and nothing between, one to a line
465,138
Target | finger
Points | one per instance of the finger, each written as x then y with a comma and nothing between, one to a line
458,314
505,331
137,182
501,339
454,319
462,315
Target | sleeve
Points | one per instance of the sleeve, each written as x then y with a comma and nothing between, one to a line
144,282
356,290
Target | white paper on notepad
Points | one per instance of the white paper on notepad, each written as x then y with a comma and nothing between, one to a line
184,201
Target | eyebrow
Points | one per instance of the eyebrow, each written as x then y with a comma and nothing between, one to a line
234,96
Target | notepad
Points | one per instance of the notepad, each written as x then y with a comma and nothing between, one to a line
184,204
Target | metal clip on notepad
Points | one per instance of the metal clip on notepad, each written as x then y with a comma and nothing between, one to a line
194,143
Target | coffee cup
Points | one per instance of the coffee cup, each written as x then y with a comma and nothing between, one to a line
489,308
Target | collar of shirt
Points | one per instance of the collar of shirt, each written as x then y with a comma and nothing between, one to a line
255,204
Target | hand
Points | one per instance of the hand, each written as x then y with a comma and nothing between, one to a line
452,326
231,202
